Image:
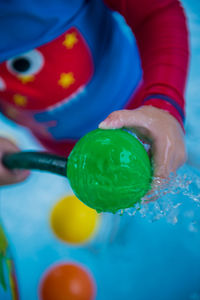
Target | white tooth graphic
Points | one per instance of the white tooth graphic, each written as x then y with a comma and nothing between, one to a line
2,84
69,100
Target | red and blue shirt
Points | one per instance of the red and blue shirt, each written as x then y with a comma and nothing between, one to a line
65,65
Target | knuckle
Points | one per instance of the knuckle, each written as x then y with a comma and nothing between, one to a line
114,114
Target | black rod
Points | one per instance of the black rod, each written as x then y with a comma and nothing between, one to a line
36,161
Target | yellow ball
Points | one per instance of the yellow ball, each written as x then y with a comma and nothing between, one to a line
72,221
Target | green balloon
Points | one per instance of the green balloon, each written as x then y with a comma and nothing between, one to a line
109,169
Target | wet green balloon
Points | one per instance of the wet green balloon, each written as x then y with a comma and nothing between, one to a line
109,170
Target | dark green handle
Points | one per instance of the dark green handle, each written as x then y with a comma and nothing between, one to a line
36,161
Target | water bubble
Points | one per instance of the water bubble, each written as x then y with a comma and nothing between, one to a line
176,198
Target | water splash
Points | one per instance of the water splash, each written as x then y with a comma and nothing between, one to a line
175,199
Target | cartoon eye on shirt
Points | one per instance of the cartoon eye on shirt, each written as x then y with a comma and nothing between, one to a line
26,65
48,76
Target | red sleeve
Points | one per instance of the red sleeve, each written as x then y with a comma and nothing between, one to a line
161,32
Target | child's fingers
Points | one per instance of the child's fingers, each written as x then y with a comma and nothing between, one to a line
7,146
10,176
123,118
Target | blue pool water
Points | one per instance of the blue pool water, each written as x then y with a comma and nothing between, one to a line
151,254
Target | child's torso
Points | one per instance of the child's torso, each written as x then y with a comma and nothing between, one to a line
66,86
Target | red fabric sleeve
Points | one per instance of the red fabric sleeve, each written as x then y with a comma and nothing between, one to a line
161,32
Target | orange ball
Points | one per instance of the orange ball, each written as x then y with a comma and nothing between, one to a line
67,281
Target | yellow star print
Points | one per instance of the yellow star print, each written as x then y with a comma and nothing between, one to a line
70,40
20,100
66,79
26,78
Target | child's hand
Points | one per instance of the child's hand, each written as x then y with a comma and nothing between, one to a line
7,176
158,127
